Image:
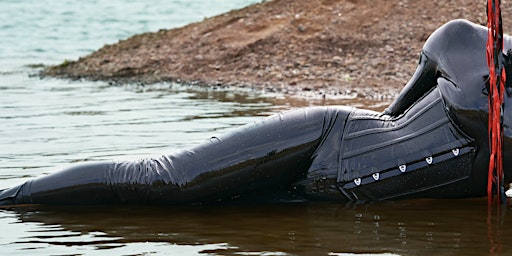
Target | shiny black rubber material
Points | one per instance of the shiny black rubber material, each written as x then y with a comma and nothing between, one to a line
381,149
261,160
455,56
430,142
453,66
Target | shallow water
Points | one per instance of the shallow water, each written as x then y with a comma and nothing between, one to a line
423,227
48,124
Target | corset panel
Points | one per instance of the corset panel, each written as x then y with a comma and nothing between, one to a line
376,147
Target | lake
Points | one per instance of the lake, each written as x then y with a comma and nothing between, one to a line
48,124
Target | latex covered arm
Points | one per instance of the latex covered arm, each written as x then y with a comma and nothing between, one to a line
423,79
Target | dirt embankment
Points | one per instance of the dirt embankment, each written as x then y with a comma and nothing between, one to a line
319,47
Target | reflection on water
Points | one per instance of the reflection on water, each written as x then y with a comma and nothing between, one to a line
425,227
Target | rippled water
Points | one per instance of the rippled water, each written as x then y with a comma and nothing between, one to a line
47,124
46,31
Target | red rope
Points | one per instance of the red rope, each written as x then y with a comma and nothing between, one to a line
496,91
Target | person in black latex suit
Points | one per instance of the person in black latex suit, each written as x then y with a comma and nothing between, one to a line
430,142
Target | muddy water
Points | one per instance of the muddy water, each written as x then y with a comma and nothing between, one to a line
393,228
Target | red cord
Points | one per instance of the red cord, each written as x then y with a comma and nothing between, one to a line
496,91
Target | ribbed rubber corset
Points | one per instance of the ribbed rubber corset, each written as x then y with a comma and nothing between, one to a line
420,151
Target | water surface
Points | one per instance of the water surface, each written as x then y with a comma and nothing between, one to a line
48,124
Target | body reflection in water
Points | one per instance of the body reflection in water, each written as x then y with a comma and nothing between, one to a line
421,227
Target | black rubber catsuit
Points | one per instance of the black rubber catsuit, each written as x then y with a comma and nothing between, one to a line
430,142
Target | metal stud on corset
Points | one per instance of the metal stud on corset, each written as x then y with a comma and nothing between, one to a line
375,176
455,151
357,181
402,167
429,160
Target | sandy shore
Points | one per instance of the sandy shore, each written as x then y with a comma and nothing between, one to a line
368,48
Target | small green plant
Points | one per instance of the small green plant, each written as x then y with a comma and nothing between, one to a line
65,63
